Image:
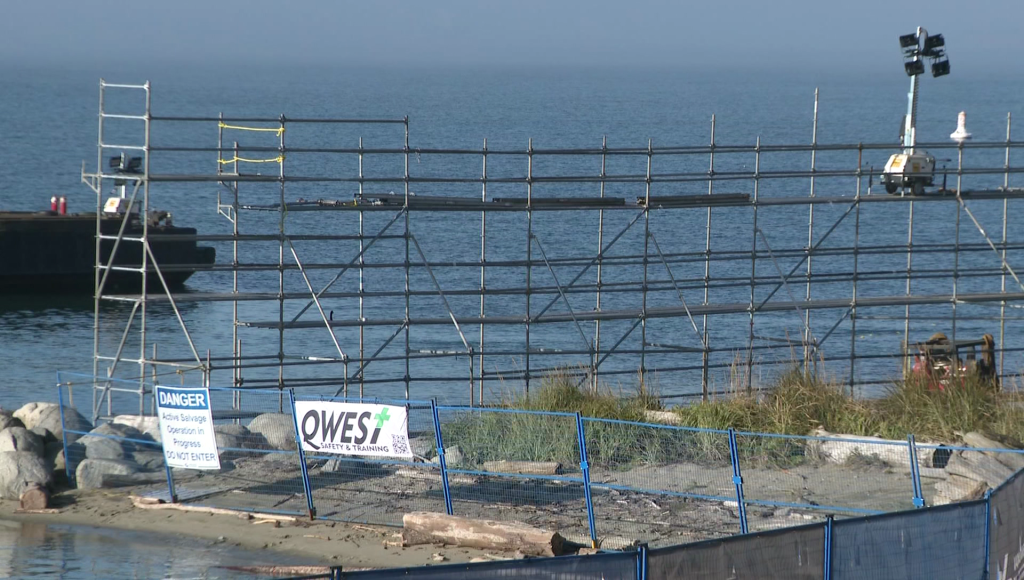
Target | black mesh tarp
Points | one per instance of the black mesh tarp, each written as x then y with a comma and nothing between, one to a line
620,566
1006,543
790,554
945,542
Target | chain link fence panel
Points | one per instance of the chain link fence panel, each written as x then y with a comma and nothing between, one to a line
516,466
660,484
788,478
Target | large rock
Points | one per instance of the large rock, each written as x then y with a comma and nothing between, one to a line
104,448
147,424
149,460
121,431
21,439
47,416
54,456
277,428
7,419
19,470
45,434
90,473
230,439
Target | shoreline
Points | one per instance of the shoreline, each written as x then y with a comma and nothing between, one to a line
323,543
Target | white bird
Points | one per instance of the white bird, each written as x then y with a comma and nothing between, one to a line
961,133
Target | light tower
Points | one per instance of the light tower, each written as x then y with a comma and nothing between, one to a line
916,47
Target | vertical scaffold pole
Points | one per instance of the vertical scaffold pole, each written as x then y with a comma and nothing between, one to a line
600,263
643,289
529,254
280,271
407,378
1002,285
483,273
856,262
753,268
956,240
362,261
906,309
705,358
808,351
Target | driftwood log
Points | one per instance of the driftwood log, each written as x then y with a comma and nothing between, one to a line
523,467
958,488
35,497
434,528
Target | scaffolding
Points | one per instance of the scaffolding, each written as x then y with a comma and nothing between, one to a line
701,281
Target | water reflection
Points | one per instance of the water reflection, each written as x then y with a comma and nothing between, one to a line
37,550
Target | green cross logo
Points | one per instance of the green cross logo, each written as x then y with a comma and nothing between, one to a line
381,417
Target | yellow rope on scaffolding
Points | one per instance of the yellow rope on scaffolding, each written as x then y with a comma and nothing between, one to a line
278,130
277,159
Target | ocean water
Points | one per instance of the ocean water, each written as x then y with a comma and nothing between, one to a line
48,122
36,550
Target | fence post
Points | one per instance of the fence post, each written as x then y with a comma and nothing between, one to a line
585,469
737,479
440,458
988,528
828,548
306,486
915,472
641,562
64,432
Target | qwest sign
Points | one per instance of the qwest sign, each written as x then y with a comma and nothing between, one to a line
353,428
186,427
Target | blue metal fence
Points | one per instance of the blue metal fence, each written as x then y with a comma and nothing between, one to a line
600,482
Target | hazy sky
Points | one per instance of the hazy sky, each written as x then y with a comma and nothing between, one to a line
982,34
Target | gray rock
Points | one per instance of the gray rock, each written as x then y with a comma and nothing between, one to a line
249,440
228,445
7,419
104,448
452,456
19,470
90,472
47,416
345,465
120,430
277,428
148,424
45,434
21,439
281,461
149,460
54,456
425,446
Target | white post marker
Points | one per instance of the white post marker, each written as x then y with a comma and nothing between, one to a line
353,428
186,427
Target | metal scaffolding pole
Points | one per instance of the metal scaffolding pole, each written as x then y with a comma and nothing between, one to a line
600,262
808,351
483,273
704,378
643,288
1002,283
529,259
753,269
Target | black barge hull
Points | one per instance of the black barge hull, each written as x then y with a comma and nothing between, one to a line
48,253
